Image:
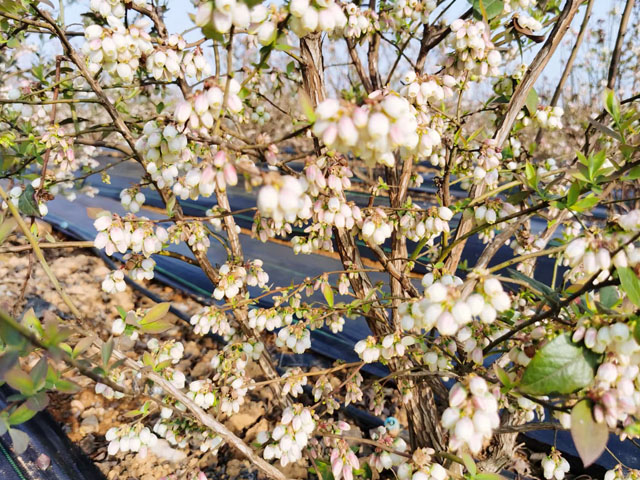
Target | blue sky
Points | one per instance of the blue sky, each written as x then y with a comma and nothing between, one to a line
178,21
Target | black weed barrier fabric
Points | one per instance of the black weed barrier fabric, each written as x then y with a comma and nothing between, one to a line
284,268
67,461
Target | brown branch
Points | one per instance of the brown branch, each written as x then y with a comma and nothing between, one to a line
617,50
513,109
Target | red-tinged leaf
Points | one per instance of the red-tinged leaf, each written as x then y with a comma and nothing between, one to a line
82,345
107,350
589,436
38,402
20,381
39,373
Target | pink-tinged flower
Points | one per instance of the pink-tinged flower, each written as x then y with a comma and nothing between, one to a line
183,111
457,395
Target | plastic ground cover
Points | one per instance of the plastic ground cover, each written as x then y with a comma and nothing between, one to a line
283,267
67,461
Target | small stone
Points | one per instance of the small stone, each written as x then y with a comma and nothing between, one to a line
43,461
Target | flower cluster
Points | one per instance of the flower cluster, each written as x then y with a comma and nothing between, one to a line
294,380
387,435
224,14
617,397
212,320
203,393
208,105
527,21
291,435
360,22
169,351
114,282
618,473
308,17
232,278
296,337
343,460
205,178
417,227
268,319
115,8
106,391
408,13
392,345
588,256
194,233
166,62
375,227
117,50
121,234
130,439
373,131
165,151
284,200
549,117
472,414
487,164
443,308
474,51
554,466
132,199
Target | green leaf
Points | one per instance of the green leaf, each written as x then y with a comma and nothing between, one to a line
469,464
38,402
82,346
27,203
611,105
502,375
589,436
155,313
107,350
6,228
488,476
536,284
560,367
595,163
630,284
609,296
633,174
20,440
307,107
574,193
487,9
327,291
21,414
20,381
66,386
159,326
532,175
39,373
324,470
121,311
585,203
532,102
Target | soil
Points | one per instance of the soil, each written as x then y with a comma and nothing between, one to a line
86,416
